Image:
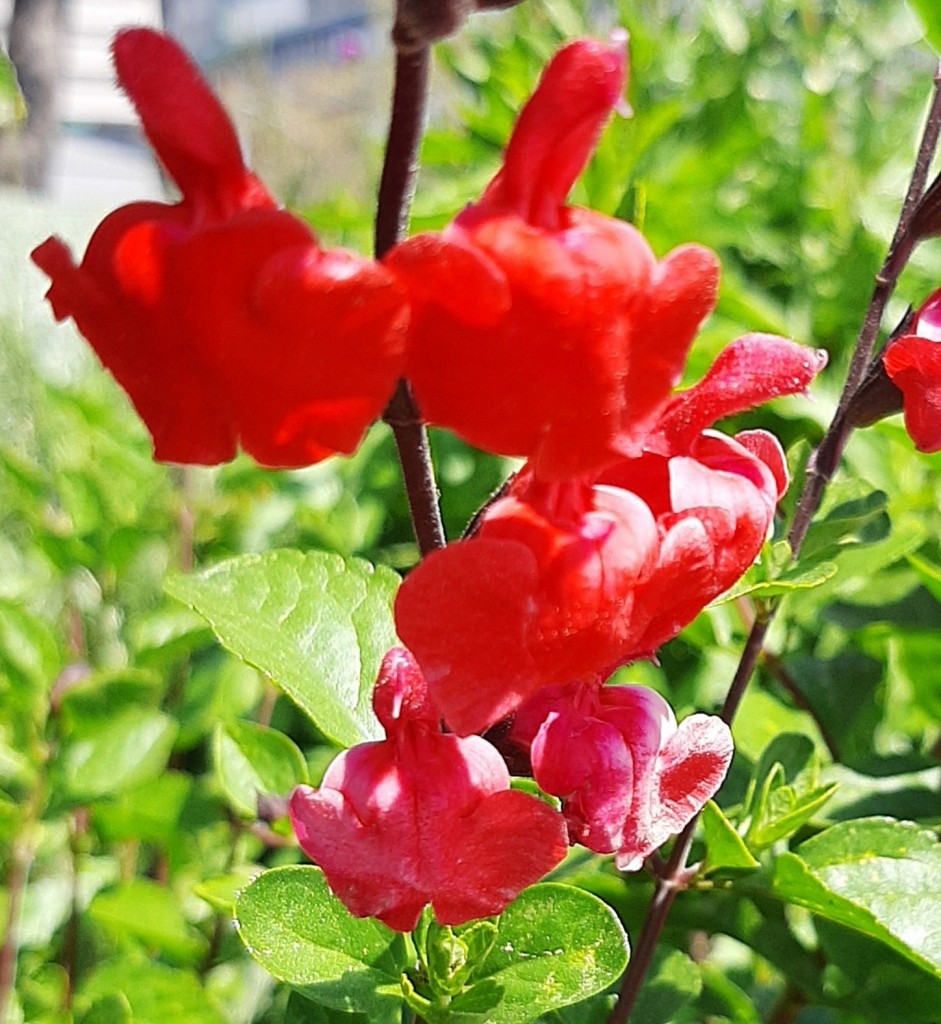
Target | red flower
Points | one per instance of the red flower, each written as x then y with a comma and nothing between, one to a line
220,315
541,329
567,581
629,777
423,817
914,365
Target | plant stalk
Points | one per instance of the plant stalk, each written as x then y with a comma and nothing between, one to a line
396,189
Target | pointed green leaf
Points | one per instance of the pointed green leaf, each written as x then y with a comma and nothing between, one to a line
879,876
317,624
725,848
797,578
294,926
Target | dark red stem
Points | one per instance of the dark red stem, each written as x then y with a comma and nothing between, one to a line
396,188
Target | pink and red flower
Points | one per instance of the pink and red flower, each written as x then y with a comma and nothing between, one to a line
541,329
220,315
628,776
423,817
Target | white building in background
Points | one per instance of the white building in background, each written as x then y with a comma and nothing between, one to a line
99,154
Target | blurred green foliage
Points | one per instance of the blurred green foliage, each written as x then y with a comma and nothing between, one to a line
780,134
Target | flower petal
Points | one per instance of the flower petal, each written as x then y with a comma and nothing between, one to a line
752,370
914,365
184,122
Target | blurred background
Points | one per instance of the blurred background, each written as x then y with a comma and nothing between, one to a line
781,134
303,72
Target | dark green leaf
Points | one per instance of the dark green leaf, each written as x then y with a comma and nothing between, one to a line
674,981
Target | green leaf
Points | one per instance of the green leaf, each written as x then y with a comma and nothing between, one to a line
858,519
725,848
111,1009
673,982
252,760
294,926
222,892
555,945
156,994
127,750
798,578
150,812
12,105
317,624
150,913
302,1011
929,14
784,793
879,876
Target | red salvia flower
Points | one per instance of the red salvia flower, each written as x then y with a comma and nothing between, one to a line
541,329
567,581
423,817
628,776
220,315
913,363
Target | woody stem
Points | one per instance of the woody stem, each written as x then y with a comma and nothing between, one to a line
396,189
820,471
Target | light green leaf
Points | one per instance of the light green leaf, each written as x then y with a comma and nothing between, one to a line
222,892
156,994
929,14
555,945
725,848
879,876
150,913
12,105
127,750
797,578
317,624
251,760
294,926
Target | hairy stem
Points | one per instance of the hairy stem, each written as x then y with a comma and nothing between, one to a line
820,471
396,188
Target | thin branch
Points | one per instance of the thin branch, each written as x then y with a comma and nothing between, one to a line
827,457
821,469
396,189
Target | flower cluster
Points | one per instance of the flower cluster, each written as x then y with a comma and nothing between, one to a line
531,328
